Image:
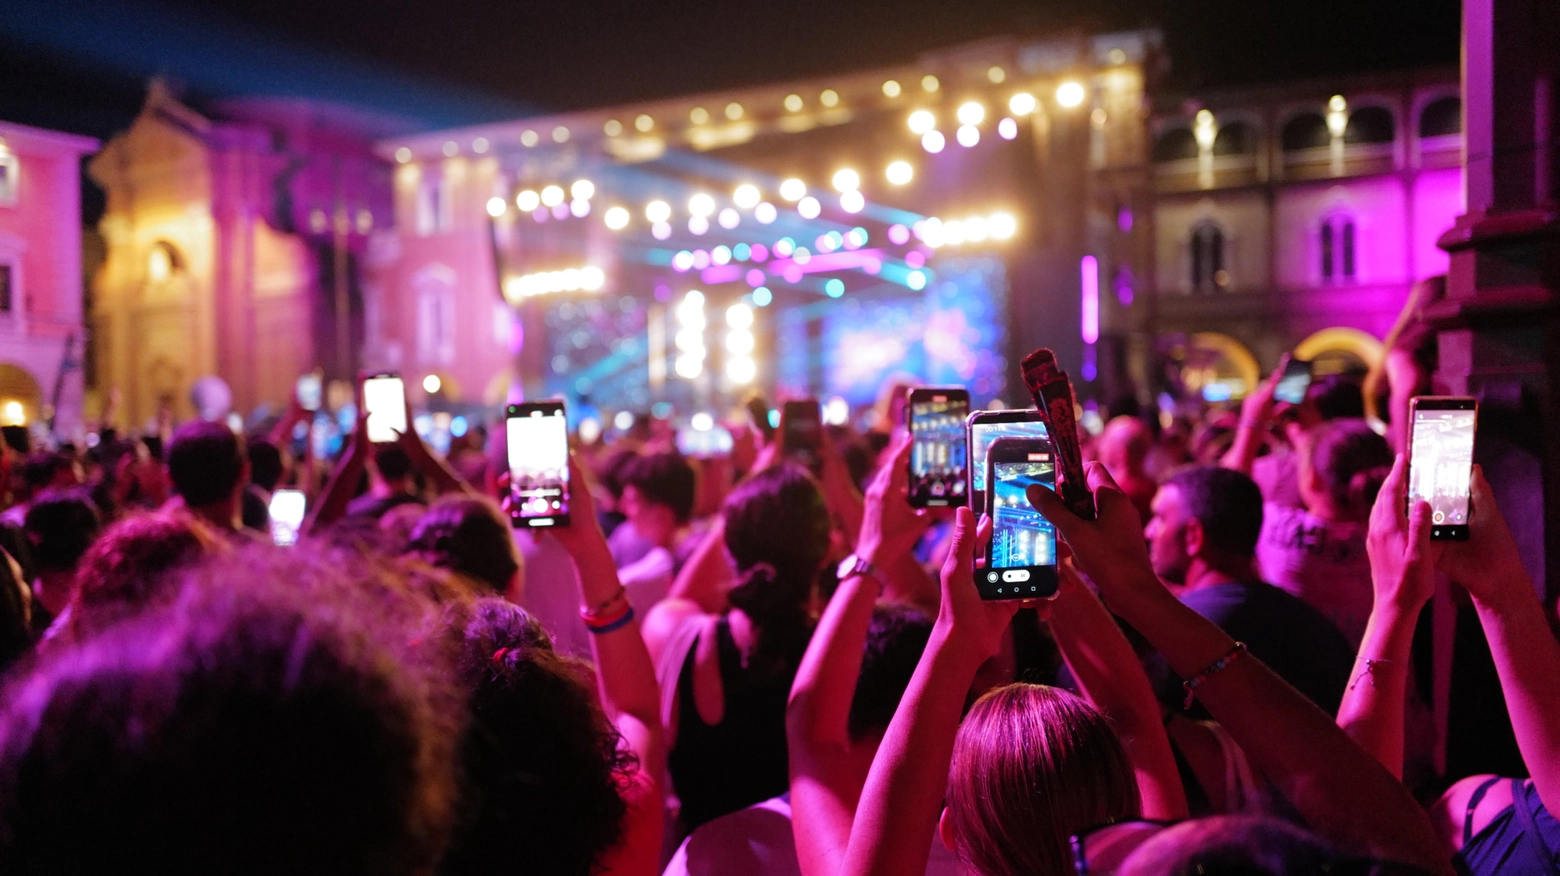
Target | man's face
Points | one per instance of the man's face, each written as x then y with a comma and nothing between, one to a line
1166,534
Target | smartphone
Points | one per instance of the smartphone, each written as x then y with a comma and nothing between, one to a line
758,412
1021,558
1295,381
984,427
801,433
310,391
939,447
384,397
1440,461
286,516
715,441
538,439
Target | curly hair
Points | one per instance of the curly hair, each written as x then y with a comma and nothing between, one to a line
541,764
133,567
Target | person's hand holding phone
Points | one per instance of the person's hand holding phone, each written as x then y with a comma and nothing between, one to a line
1109,549
890,528
1402,556
1488,560
964,619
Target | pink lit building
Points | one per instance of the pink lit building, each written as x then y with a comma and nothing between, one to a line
41,331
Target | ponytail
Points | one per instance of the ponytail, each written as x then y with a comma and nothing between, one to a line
1351,461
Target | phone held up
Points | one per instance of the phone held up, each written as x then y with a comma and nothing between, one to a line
286,511
1021,557
1440,461
1295,381
984,427
801,433
384,398
537,437
310,391
939,446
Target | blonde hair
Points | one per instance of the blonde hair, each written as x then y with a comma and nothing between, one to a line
1032,766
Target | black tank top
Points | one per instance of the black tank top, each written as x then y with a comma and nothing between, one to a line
721,768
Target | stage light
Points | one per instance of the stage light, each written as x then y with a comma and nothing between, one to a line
699,115
592,278
834,287
746,196
729,218
759,253
968,135
617,218
643,123
552,196
658,211
720,255
402,156
793,102
479,145
899,235
623,421
689,366
975,229
846,180
922,121
451,149
933,142
824,243
432,384
1002,225
856,238
579,207
661,230
929,83
971,113
560,134
953,232
1089,304
733,111
739,316
741,252
852,202
528,139
836,411
829,97
793,189
1070,94
916,280
809,207
741,369
762,296
1022,103
765,213
739,342
1337,104
682,261
1007,129
528,201
496,207
931,232
698,225
612,128
583,189
701,205
891,88
784,247
801,255
899,172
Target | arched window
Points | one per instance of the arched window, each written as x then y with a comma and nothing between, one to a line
1337,249
1235,138
1207,251
1305,131
1178,144
1441,117
1371,124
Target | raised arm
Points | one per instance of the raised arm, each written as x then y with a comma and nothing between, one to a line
1342,792
1527,657
900,803
1107,671
1256,413
825,784
1402,571
344,480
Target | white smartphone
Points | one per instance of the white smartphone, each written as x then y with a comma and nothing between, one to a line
384,397
287,508
538,442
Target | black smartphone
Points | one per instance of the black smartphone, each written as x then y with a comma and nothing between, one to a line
1440,461
1021,558
537,434
758,412
384,397
1295,380
985,427
801,433
939,447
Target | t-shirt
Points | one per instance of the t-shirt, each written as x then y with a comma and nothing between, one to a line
1292,638
1278,476
1322,562
757,841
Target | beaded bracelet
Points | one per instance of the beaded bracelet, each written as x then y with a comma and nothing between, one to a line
609,626
1219,665
619,595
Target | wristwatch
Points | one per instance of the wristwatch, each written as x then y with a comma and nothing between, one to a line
855,564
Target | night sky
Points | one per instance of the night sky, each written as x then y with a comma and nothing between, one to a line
570,54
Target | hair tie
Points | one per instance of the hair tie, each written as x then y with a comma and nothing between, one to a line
498,656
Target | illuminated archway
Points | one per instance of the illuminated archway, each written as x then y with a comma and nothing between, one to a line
21,399
1218,367
1338,350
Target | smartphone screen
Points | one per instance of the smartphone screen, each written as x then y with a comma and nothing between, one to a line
1440,467
538,441
1294,382
309,392
986,427
1021,558
286,516
384,397
801,433
938,449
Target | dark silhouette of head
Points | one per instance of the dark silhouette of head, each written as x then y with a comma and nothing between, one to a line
471,536
206,462
60,526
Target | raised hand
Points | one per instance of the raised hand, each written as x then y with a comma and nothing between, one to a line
1109,549
1402,556
1489,557
975,623
889,526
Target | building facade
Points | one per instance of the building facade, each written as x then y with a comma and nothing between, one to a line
41,331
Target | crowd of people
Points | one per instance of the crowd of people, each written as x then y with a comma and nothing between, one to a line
743,665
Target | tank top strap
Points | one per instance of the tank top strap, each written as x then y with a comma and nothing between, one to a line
1530,833
1473,803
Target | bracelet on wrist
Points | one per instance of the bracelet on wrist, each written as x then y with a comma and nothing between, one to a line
597,628
1192,684
605,607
